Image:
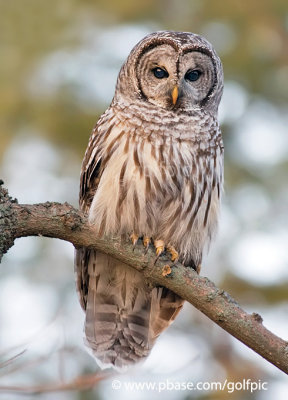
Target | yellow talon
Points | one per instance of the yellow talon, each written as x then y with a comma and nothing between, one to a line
159,246
134,238
174,253
146,241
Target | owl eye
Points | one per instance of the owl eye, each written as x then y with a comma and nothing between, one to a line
193,75
160,73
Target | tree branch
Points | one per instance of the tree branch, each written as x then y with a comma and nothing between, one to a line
64,222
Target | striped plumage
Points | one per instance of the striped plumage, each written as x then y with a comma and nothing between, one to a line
153,167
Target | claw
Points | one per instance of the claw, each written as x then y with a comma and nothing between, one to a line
174,253
146,242
159,246
134,239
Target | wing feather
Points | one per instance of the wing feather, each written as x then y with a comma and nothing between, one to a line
91,172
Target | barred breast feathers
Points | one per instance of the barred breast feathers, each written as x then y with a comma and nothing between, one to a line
142,188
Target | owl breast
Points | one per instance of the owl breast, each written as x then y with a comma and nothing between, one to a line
161,181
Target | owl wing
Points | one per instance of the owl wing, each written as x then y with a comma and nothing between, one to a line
91,171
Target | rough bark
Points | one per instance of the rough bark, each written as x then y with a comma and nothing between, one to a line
64,222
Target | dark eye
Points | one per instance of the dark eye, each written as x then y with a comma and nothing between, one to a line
160,73
193,75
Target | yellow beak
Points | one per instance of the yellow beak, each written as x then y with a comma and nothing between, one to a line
175,95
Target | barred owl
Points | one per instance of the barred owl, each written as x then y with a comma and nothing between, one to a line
153,170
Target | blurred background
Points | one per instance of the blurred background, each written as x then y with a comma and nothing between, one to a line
59,64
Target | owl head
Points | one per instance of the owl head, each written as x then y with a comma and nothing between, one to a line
176,71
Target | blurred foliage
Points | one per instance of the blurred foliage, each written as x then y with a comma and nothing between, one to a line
30,29
246,292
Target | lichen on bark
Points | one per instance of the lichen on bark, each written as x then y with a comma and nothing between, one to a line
7,220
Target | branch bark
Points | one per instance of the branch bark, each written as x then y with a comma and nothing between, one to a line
64,222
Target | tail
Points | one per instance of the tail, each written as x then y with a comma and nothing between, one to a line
123,316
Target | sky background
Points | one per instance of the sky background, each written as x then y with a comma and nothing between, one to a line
59,65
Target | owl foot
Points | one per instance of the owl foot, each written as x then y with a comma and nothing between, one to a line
146,241
173,252
160,247
158,244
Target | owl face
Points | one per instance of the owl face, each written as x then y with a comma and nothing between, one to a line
172,80
176,71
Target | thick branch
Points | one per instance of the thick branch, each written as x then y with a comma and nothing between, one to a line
64,222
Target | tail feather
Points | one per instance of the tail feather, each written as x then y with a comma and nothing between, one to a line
165,306
123,317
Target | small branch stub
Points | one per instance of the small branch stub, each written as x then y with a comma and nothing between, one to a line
166,270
